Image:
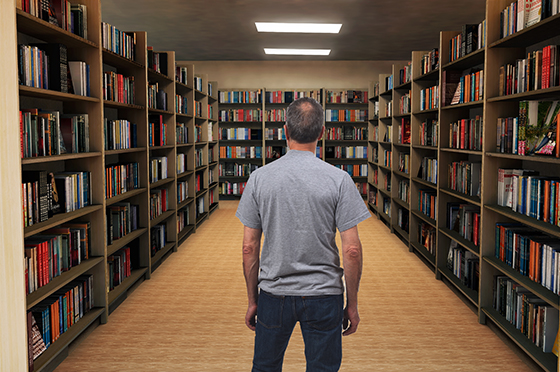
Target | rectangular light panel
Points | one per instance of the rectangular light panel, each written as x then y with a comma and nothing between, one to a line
315,28
298,52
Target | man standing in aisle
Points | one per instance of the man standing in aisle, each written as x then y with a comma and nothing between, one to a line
298,202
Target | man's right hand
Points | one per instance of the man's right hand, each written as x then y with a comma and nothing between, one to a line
350,321
251,317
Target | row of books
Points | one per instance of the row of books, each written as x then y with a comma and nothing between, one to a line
375,106
157,98
404,162
532,316
120,134
271,134
346,133
466,134
374,154
469,40
159,202
118,88
429,132
405,74
464,264
464,177
158,168
157,131
403,192
199,158
199,181
388,83
232,188
470,88
240,96
427,202
122,219
197,133
61,13
182,191
427,235
240,133
210,91
228,169
372,196
240,152
376,89
181,165
119,267
375,133
275,152
534,131
56,314
346,152
346,115
387,158
525,192
157,61
200,207
181,104
210,112
158,238
404,131
47,133
121,178
403,219
428,170
181,75
429,98
54,251
521,14
465,220
386,206
362,188
405,104
238,115
211,156
183,218
198,83
388,110
118,42
182,133
346,96
354,170
275,115
429,61
290,96
375,176
387,182
530,253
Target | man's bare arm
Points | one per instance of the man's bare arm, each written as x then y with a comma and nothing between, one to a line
251,254
352,261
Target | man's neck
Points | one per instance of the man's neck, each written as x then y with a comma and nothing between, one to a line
311,147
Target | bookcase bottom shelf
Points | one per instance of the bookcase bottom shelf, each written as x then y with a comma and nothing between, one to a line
470,294
547,361
48,360
157,258
424,252
183,234
118,294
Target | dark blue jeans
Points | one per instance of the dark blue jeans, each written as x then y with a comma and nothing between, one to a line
320,319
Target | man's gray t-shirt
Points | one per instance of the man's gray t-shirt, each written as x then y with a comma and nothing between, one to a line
299,201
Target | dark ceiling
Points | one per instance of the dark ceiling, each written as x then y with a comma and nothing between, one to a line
199,30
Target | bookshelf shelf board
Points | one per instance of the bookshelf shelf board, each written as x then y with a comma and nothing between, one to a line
401,173
453,235
461,151
338,104
401,232
547,361
386,117
119,105
185,232
385,192
401,203
372,207
244,159
423,217
545,227
212,99
385,143
342,160
212,207
400,116
357,122
372,184
164,147
235,178
246,104
200,144
359,178
373,142
158,111
468,198
33,26
214,142
532,158
126,284
429,76
60,281
125,151
201,168
276,141
227,142
374,98
423,182
66,338
182,145
184,174
424,252
120,243
116,60
124,196
160,183
181,115
386,93
213,164
162,217
183,87
545,294
200,119
153,74
202,217
54,95
362,141
463,105
530,35
200,193
472,59
162,252
198,94
58,219
532,94
184,203
272,123
402,145
421,147
404,86
384,167
212,185
63,157
236,124
384,216
375,118
471,294
424,112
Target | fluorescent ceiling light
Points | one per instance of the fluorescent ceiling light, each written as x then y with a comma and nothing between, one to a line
298,52
314,28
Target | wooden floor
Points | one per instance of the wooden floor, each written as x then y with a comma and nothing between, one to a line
190,315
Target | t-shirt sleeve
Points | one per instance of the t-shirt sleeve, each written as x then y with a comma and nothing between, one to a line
351,209
248,209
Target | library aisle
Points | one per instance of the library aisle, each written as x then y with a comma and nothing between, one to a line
190,315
